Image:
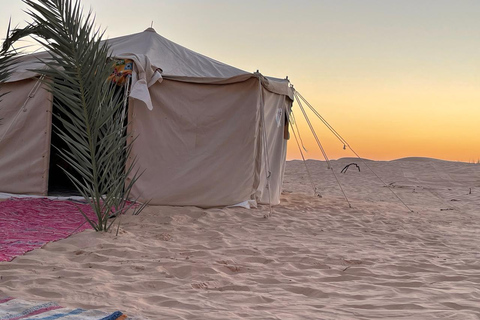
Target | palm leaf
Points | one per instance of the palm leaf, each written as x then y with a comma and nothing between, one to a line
7,61
90,109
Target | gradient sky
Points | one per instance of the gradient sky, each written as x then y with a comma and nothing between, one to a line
395,78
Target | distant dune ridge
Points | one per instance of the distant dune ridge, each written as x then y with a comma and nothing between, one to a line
315,258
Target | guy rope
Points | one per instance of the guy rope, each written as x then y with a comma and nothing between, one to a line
299,98
321,147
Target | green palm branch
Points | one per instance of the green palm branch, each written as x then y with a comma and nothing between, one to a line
7,61
90,109
5,70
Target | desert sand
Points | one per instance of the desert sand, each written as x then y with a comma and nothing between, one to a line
314,258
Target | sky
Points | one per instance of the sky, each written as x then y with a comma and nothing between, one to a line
396,78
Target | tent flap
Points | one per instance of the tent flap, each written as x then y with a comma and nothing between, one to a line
197,146
25,132
275,106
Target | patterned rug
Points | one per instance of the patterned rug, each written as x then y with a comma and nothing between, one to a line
30,223
16,309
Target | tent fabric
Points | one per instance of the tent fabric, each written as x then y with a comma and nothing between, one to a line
276,107
198,144
279,86
197,124
175,60
25,66
143,77
25,129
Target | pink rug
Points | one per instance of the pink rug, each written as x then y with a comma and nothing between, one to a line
29,223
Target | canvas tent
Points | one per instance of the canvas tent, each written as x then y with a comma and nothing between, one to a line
208,134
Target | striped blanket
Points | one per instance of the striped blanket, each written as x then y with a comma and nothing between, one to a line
16,309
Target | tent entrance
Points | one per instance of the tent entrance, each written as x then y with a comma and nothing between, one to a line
58,182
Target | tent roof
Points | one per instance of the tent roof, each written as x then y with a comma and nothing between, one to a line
174,59
151,51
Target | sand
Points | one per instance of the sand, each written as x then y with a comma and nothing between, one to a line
315,258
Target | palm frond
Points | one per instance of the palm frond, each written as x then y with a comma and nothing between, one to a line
90,109
7,61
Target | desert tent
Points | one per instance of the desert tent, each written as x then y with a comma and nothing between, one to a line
207,134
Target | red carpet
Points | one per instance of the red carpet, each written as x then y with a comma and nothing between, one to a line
29,223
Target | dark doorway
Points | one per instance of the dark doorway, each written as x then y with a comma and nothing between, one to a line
58,182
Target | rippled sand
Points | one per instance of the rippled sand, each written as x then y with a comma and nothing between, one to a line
315,258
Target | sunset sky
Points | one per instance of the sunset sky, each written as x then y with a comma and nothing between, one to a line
395,78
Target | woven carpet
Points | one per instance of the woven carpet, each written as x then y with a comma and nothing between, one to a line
29,223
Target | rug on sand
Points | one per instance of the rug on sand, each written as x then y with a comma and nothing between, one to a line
29,223
16,309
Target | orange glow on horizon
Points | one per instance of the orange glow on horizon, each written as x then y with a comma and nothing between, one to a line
394,121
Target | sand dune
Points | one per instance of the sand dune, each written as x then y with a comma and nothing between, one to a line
315,258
